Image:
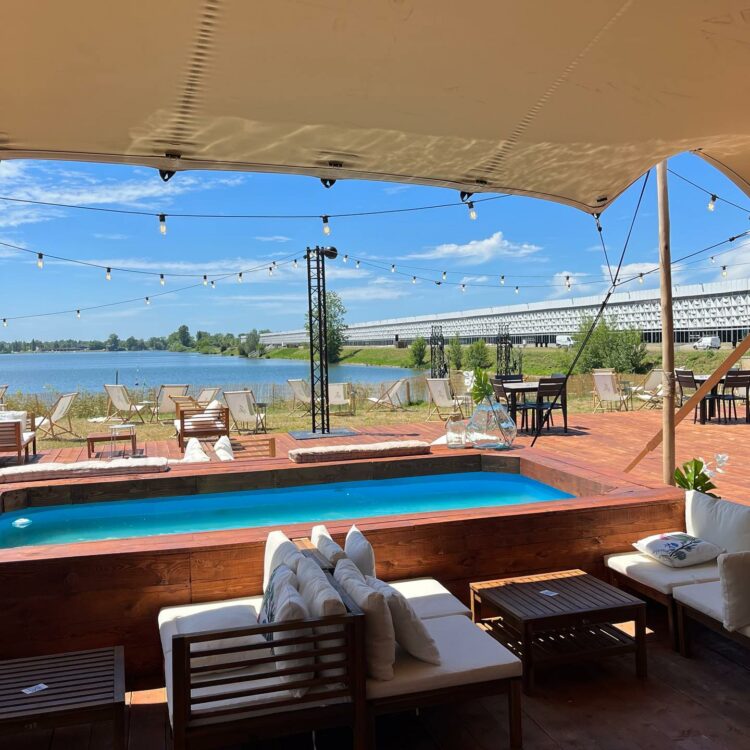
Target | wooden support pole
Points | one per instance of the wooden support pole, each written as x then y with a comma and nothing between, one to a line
667,326
695,399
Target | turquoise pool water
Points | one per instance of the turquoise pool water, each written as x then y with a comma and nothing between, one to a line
250,508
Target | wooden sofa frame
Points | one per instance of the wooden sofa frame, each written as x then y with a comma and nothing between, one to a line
11,439
202,423
684,615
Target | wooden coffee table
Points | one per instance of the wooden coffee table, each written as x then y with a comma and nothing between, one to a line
561,617
102,437
82,687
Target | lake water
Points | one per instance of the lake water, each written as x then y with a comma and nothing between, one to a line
89,371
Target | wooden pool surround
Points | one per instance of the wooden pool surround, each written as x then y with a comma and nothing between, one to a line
65,597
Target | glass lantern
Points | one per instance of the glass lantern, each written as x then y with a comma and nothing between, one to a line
455,432
490,427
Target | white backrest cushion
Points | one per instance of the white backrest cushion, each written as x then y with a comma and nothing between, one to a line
215,404
194,452
410,632
280,550
360,551
734,573
13,416
380,639
721,522
325,544
223,449
290,607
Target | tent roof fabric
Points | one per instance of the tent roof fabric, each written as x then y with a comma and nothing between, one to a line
569,101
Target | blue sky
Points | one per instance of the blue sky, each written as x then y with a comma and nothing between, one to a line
534,243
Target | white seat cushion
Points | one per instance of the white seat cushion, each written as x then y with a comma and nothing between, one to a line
199,423
649,572
27,437
468,656
429,598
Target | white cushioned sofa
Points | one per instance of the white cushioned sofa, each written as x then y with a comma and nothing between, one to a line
721,522
224,683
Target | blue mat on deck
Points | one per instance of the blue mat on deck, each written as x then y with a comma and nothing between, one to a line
335,432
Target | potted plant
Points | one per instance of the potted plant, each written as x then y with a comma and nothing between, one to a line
696,475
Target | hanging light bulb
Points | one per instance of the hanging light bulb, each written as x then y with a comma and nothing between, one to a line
463,287
273,263
413,279
472,211
213,284
239,277
148,300
516,290
108,274
345,258
294,263
445,275
640,278
567,282
502,281
713,259
5,322
205,280
78,314
326,226
712,203
163,223
356,265
162,280
393,268
270,270
724,271
40,260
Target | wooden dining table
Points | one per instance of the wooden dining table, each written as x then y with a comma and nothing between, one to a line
707,409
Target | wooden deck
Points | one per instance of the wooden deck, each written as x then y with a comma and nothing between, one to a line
686,704
607,440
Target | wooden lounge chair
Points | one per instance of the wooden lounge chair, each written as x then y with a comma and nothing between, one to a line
442,401
301,396
164,400
389,399
53,423
201,423
122,405
16,435
245,411
207,395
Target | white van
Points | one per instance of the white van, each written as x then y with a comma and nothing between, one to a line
707,342
564,342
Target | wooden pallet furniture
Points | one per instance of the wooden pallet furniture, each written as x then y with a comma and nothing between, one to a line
561,617
15,438
81,687
201,423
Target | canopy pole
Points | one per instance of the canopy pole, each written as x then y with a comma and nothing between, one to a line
667,326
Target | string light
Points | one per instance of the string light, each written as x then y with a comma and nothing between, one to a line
213,284
108,274
724,271
162,280
163,223
567,282
270,270
148,301
239,277
40,260
326,226
356,265
5,322
712,203
640,278
472,211
463,287
393,268
205,280
294,263
502,281
445,275
78,314
713,259
516,290
413,279
345,258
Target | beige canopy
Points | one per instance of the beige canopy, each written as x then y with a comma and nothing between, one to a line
569,101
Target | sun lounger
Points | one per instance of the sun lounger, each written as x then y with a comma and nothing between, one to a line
54,422
165,399
389,399
123,405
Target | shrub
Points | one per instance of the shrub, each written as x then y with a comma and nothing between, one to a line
624,351
478,356
418,352
455,353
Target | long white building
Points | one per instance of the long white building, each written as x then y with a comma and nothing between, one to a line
719,308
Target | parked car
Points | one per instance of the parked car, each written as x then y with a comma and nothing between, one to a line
707,342
564,342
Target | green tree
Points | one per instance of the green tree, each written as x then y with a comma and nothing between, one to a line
336,333
418,352
622,350
455,353
113,342
478,356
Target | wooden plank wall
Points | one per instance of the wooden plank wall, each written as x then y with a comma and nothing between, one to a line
76,601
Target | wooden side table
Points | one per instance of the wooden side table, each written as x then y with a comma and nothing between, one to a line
82,687
555,618
101,437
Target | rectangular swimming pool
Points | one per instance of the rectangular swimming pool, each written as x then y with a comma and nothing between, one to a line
120,519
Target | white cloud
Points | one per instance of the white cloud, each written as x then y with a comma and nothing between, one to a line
480,251
396,189
378,289
559,288
110,236
475,279
273,238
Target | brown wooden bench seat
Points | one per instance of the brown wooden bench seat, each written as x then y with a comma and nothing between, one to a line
201,423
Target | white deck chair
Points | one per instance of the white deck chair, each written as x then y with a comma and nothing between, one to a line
301,396
389,399
122,405
442,401
164,402
245,410
3,389
607,394
650,393
341,395
207,395
52,423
